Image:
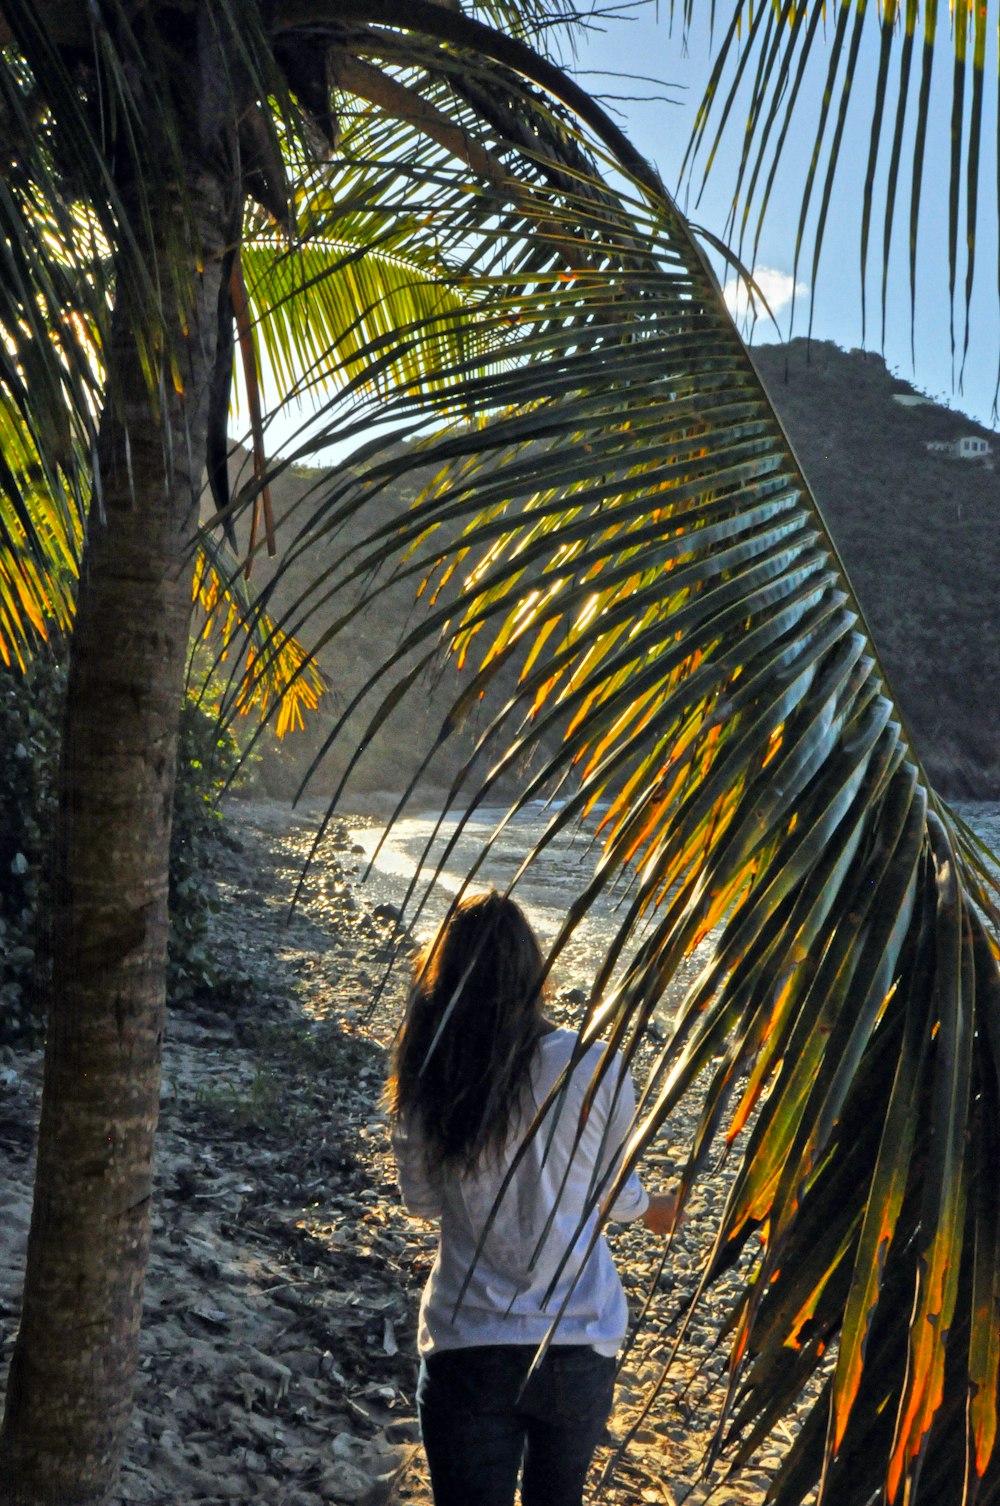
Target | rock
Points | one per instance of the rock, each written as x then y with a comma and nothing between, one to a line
389,914
271,1369
405,1430
346,1485
365,1472
302,1362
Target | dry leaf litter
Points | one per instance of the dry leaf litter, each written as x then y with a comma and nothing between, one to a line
278,1350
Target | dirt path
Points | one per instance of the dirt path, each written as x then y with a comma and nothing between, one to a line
278,1348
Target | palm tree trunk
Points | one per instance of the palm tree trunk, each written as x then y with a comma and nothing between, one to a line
71,1379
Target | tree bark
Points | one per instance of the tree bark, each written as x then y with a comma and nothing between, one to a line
71,1379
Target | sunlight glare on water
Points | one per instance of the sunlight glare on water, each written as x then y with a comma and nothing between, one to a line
415,848
546,890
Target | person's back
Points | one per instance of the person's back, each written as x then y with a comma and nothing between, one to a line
519,1251
500,1258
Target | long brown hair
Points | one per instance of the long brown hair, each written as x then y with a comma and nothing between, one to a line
463,1053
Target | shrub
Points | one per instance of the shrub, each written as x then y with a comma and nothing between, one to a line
207,759
30,721
30,712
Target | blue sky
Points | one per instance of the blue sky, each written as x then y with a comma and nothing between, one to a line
651,79
641,42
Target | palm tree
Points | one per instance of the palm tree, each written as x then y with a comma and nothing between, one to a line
616,513
131,142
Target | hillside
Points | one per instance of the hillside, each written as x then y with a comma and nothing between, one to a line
365,640
918,534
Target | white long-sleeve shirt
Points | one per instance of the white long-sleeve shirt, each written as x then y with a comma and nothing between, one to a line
504,1302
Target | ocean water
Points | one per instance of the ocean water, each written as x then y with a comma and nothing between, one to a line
420,851
416,852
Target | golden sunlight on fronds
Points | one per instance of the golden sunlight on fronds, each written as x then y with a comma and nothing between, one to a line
40,539
274,670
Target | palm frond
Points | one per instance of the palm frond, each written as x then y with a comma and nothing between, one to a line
52,303
39,548
762,74
320,307
270,674
618,533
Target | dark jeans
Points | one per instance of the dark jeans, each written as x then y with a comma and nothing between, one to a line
477,1423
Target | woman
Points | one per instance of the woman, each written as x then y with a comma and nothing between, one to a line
474,1061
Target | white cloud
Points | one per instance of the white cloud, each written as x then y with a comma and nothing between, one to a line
777,287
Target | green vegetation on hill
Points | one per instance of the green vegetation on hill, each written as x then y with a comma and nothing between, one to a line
919,534
365,640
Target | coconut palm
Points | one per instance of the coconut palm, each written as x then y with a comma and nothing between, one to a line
617,518
301,317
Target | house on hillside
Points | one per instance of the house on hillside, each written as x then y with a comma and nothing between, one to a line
969,447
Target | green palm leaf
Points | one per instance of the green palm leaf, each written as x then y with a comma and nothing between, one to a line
39,546
618,534
751,80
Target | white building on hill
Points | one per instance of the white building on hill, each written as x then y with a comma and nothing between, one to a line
969,447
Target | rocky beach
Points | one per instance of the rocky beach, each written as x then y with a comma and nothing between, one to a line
278,1361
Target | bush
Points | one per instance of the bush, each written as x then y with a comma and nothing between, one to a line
207,759
30,712
30,722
